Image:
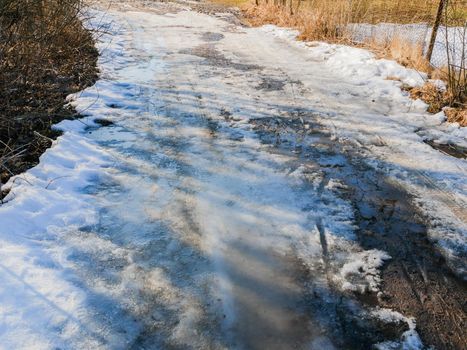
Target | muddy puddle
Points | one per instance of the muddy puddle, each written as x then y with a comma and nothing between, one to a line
449,149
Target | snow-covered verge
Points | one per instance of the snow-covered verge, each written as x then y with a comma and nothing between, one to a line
382,119
39,296
364,68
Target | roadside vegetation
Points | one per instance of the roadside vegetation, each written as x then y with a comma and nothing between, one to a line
45,54
335,21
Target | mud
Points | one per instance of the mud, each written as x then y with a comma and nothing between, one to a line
416,281
214,57
103,122
209,36
449,149
271,85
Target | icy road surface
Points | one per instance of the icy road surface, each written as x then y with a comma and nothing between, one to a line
184,225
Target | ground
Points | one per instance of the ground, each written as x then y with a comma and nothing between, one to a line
230,187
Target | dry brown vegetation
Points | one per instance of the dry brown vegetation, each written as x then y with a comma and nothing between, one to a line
338,13
432,95
331,21
45,54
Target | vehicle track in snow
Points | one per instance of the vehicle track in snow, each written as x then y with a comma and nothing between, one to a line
220,190
416,281
194,183
230,215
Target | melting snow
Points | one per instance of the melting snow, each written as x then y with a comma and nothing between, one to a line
140,228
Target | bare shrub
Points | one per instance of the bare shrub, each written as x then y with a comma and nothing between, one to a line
45,54
456,76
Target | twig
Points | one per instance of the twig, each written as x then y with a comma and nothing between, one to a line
57,178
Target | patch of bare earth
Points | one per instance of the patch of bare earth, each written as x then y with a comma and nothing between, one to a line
416,281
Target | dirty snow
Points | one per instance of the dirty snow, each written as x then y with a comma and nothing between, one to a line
366,265
410,339
381,119
176,226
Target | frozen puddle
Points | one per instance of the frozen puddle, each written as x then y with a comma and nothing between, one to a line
174,226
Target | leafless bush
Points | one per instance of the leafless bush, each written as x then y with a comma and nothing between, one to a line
456,47
37,31
45,54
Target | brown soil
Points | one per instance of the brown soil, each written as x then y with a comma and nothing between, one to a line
449,149
416,281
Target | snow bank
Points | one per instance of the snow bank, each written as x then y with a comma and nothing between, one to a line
41,307
353,62
37,295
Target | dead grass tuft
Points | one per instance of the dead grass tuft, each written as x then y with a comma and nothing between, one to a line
407,53
455,115
439,100
432,95
320,24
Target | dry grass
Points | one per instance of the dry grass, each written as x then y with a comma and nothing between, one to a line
231,3
394,11
455,115
407,53
432,95
45,54
329,21
368,11
438,100
321,24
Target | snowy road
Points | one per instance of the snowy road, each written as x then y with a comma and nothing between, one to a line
183,224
